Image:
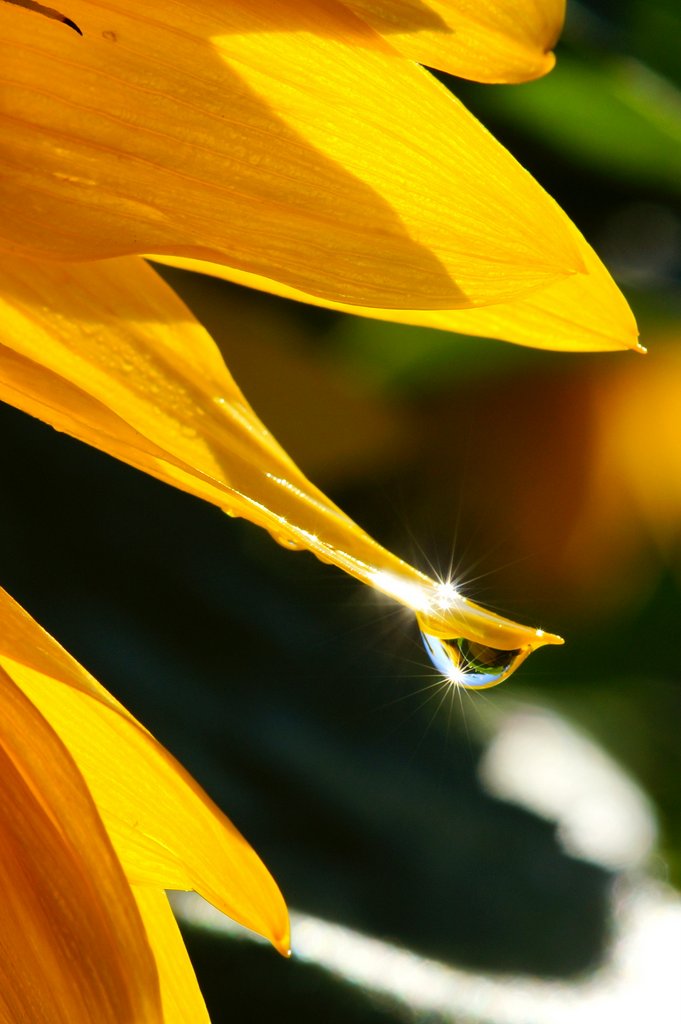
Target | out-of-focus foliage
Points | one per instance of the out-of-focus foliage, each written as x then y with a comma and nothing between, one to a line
618,117
551,482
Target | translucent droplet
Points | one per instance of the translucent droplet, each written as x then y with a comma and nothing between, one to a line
471,664
287,542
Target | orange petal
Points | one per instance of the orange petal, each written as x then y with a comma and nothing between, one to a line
166,831
73,944
109,354
286,141
488,41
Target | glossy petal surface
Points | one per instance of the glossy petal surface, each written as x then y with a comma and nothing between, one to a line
164,828
486,40
287,141
109,354
73,947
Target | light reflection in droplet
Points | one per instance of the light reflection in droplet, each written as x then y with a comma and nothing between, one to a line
470,664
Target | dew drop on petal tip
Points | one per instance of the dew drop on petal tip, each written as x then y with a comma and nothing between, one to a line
469,664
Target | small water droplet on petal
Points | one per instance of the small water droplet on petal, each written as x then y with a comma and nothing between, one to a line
469,664
287,542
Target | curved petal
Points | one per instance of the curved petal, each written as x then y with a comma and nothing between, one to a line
74,948
287,141
164,828
486,40
583,313
108,353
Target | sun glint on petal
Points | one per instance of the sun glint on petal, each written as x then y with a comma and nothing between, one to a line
285,140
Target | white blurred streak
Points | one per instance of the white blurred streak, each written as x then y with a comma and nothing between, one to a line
538,760
640,978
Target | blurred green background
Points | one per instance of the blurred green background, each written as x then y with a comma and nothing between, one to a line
549,484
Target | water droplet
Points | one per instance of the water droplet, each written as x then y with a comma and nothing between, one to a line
471,664
287,542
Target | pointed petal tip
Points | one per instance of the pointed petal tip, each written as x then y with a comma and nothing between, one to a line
641,349
549,638
282,942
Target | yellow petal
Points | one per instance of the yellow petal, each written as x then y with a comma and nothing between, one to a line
583,313
287,141
74,947
487,40
108,353
164,828
182,999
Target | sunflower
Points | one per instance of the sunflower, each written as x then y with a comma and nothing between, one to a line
301,149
